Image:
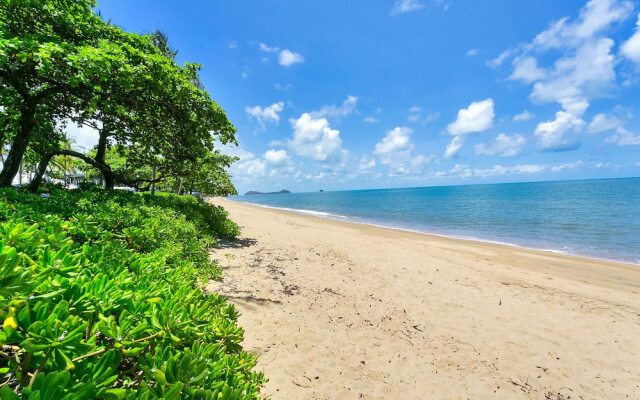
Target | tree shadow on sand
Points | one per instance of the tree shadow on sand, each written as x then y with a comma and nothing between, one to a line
236,243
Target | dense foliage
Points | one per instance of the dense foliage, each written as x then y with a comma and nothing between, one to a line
60,62
100,297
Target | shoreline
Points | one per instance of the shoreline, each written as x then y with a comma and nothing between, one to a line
336,309
345,219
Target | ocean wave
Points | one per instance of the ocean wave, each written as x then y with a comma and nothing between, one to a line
297,210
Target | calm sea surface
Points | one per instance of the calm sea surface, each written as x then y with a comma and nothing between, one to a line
596,218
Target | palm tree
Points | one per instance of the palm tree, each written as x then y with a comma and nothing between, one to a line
161,41
64,164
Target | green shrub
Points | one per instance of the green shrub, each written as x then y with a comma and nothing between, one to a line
100,297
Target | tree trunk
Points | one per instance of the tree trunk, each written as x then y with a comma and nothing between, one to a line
19,145
153,181
101,151
42,167
180,187
109,179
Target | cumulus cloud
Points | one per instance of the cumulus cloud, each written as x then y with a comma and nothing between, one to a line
406,6
266,114
276,157
523,116
314,138
397,139
477,117
526,69
453,147
252,170
552,134
581,66
602,123
503,145
585,74
397,151
366,164
631,48
346,108
623,137
287,58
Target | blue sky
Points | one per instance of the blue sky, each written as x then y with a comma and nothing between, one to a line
369,94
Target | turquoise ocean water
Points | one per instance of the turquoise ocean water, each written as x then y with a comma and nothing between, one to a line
595,218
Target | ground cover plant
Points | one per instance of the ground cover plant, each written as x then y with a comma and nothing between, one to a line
101,297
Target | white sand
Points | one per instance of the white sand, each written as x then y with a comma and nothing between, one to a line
345,311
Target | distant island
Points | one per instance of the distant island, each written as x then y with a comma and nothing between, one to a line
252,192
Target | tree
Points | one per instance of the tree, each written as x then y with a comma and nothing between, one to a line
207,175
67,64
47,59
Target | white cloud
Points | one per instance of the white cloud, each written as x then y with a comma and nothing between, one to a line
477,117
276,157
602,122
288,58
397,139
631,48
523,116
253,168
314,138
284,87
501,58
406,6
565,167
503,145
366,164
526,69
346,108
551,134
453,147
415,116
472,52
397,151
623,137
585,74
582,66
499,170
267,49
464,171
595,18
370,120
266,114
274,166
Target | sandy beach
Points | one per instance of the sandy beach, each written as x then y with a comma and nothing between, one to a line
337,310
